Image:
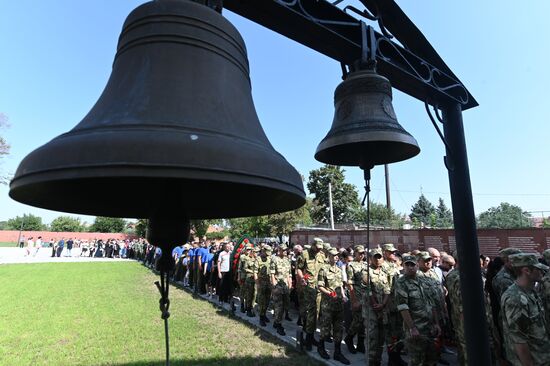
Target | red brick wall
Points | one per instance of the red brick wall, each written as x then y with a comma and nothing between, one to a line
13,235
491,241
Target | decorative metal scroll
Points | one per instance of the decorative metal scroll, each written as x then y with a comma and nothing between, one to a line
388,51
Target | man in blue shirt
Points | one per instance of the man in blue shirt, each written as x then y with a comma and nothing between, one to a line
191,265
200,260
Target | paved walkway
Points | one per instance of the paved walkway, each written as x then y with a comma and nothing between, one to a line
291,330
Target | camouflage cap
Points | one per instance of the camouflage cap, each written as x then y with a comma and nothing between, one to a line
375,251
546,255
268,249
256,249
409,258
389,247
424,255
333,251
283,247
327,246
307,246
506,252
249,247
359,249
526,260
317,240
318,244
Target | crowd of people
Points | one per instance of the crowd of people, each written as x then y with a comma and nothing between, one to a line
97,248
392,301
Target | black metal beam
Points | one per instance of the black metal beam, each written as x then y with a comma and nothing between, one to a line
329,30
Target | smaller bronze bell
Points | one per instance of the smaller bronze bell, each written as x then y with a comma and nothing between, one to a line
365,131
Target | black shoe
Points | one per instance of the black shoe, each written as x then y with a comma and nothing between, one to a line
242,307
233,307
308,341
338,356
360,344
328,340
299,321
349,343
280,330
287,318
262,321
322,351
250,313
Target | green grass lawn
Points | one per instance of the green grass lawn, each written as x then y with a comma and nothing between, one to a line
8,244
107,314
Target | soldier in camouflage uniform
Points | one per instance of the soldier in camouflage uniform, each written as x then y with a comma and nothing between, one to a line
419,316
526,334
307,269
375,300
322,259
503,279
282,283
544,289
330,284
394,329
452,282
241,275
426,270
250,269
356,287
264,283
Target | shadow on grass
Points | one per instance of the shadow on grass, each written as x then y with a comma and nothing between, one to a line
237,361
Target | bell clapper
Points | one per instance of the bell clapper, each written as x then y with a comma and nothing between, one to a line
166,232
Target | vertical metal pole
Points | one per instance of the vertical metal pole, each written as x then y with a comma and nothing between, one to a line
475,322
387,176
330,206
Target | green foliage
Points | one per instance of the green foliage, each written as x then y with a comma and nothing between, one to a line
255,226
28,222
141,228
200,227
217,235
108,225
443,215
504,216
380,216
345,199
4,225
66,224
283,223
423,212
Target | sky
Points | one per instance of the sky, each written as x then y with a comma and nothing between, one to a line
56,57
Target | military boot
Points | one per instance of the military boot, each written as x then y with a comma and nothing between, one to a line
322,351
308,341
287,318
262,321
349,342
281,330
299,321
360,344
250,313
338,356
242,307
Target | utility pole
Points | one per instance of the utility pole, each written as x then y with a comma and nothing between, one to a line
387,176
330,206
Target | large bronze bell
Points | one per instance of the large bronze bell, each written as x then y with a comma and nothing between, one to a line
175,130
365,131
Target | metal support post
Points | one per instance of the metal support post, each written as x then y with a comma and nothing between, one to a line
471,284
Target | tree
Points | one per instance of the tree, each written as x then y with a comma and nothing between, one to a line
255,226
141,227
444,216
4,146
380,216
28,222
423,212
66,224
200,227
108,225
283,223
345,199
504,216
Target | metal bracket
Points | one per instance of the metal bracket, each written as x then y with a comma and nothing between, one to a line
447,159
